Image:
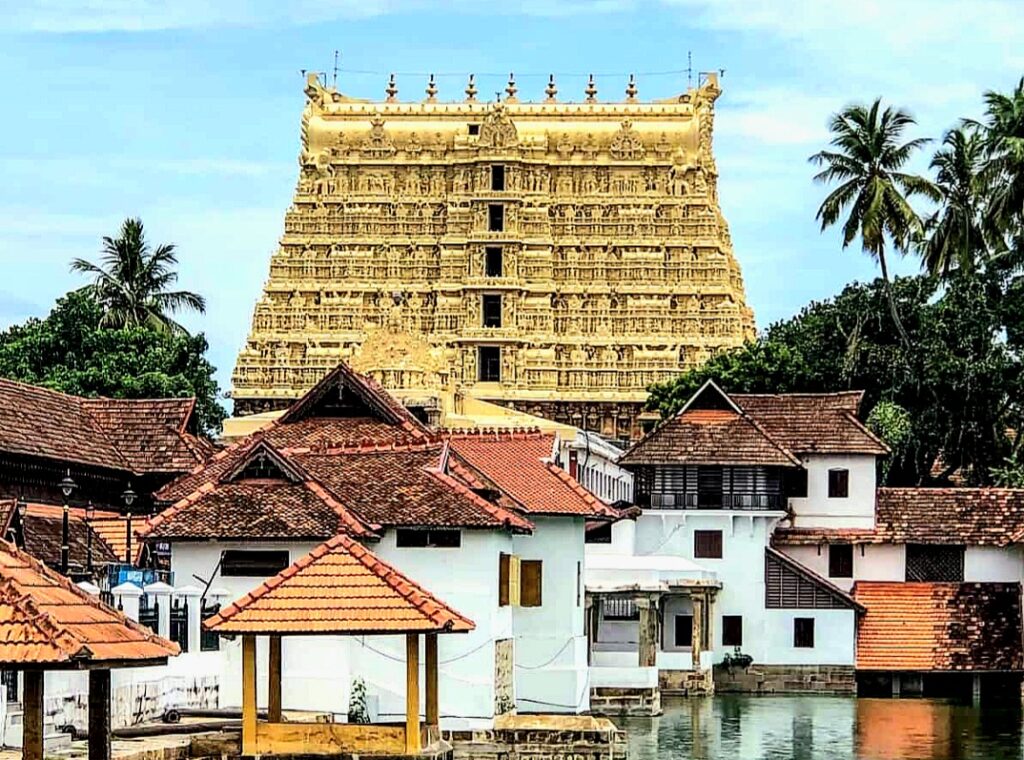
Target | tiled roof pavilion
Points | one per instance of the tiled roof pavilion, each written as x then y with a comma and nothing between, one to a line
48,623
339,588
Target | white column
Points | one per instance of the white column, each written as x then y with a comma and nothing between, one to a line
191,595
127,596
160,593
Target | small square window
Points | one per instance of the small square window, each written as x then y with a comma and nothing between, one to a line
496,218
492,310
707,544
600,534
252,563
840,561
474,129
803,633
489,364
684,631
493,262
732,630
531,580
838,484
498,178
412,538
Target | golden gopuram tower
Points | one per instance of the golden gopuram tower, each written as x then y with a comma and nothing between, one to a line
556,257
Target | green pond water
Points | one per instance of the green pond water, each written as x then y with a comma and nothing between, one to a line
832,728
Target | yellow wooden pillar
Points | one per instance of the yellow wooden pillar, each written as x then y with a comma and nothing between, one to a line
249,695
32,720
433,713
412,694
274,681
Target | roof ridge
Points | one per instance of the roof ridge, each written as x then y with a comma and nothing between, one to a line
348,516
364,446
507,517
499,433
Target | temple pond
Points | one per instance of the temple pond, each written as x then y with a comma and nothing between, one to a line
825,728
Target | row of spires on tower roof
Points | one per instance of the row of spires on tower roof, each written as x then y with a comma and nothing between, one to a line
551,91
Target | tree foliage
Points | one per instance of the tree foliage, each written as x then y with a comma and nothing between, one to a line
132,284
71,351
959,384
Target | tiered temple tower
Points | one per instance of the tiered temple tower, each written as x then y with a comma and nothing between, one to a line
555,257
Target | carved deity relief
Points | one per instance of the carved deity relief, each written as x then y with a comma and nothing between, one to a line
627,145
378,143
497,130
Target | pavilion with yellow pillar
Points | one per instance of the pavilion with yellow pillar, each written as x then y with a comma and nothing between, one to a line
340,588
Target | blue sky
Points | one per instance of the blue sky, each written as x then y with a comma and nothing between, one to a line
187,114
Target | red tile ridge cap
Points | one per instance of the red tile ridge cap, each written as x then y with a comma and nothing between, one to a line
365,446
600,508
497,433
507,517
355,524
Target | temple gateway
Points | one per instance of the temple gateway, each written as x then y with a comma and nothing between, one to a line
555,257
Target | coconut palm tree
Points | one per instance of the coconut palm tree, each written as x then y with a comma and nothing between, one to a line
866,159
131,282
1003,132
954,235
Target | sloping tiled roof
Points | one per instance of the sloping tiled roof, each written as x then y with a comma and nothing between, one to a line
340,587
970,516
709,436
809,423
519,463
43,530
47,620
939,626
403,485
133,435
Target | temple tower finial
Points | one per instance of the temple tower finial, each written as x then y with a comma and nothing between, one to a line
471,89
511,89
392,89
591,90
631,89
551,90
431,90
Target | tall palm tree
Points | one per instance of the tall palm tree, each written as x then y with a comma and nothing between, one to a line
131,282
866,159
955,238
1003,131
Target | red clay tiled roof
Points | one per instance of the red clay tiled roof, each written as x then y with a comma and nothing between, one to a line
47,620
939,626
970,516
519,464
340,587
134,435
808,423
403,486
43,529
709,436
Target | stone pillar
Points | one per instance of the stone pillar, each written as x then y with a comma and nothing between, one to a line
191,595
698,630
249,695
274,681
32,720
647,648
126,596
412,694
99,715
160,594
589,625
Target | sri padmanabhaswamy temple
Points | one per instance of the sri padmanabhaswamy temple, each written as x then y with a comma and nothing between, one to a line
556,257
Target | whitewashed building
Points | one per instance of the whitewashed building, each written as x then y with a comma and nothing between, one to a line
485,520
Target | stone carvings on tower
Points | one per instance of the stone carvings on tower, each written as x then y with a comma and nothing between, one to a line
558,257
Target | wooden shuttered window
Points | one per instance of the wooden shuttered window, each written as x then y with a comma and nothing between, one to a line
803,633
840,561
531,591
509,584
838,484
707,544
732,630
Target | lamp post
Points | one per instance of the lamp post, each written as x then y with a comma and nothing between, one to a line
67,487
90,512
129,499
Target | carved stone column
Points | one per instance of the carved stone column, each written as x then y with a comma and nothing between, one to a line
647,648
698,601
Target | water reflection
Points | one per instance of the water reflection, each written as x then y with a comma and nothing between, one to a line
820,728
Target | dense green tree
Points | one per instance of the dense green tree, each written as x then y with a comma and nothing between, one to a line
132,282
71,351
959,386
866,160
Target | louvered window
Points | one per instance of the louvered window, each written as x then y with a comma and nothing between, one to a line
787,588
617,608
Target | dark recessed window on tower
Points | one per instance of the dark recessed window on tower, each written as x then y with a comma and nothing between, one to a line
496,217
489,364
474,129
497,177
492,310
492,262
